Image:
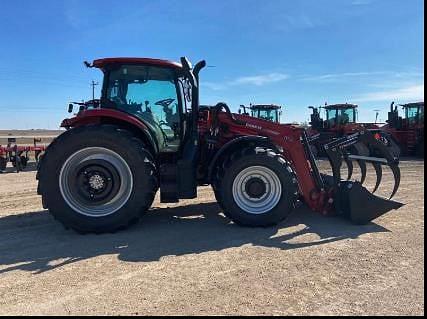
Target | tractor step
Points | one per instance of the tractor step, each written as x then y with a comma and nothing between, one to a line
168,183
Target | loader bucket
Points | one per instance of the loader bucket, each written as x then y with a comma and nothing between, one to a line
356,203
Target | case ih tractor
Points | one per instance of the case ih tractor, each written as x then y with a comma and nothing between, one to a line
148,133
269,112
341,120
408,131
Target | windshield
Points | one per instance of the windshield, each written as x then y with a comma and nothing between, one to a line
265,114
414,114
340,116
150,94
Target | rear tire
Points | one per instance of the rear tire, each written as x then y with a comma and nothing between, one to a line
256,187
97,179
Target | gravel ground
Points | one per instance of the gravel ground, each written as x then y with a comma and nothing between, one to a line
189,259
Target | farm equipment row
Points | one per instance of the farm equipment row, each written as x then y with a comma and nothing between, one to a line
401,135
19,155
341,121
149,133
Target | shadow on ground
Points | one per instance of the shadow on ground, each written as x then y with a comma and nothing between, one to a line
35,242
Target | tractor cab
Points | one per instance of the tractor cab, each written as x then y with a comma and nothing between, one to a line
155,94
414,113
413,116
340,114
337,115
269,112
160,94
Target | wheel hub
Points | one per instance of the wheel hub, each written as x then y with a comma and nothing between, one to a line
95,182
255,187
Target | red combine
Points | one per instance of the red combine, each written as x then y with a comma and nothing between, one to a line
408,131
148,133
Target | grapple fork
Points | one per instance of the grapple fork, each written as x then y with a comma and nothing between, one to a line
351,198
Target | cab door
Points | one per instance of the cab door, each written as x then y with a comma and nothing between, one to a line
149,93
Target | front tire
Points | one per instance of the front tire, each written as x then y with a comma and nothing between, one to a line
256,187
97,179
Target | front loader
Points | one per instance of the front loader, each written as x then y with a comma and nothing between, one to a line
148,134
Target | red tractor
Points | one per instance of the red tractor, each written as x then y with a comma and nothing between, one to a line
148,133
269,112
408,131
341,121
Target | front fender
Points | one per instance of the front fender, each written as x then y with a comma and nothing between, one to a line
238,143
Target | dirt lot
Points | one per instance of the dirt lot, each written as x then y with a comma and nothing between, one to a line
189,259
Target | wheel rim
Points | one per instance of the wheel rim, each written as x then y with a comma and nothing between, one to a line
257,189
95,182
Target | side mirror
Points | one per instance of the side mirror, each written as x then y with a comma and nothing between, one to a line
70,108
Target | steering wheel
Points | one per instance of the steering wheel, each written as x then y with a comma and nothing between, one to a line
160,124
165,102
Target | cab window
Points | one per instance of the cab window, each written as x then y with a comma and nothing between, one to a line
150,94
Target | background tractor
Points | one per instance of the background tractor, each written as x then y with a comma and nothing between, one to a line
409,130
148,133
269,112
341,121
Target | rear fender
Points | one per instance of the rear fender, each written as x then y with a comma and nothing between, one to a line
121,119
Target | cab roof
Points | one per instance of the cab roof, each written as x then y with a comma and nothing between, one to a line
416,104
101,63
345,106
265,106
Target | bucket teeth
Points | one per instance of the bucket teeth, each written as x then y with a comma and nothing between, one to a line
379,171
363,170
396,173
349,167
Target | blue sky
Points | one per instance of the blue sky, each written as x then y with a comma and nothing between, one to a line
293,53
